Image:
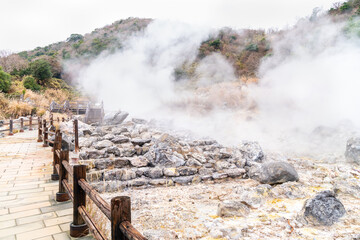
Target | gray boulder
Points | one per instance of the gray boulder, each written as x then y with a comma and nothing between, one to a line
113,150
352,153
273,172
114,118
103,163
140,142
120,139
323,209
103,144
183,180
251,152
139,161
66,143
233,209
86,142
154,173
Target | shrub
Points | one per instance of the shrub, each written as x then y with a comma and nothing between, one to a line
5,81
216,44
30,83
41,70
252,47
345,7
98,45
77,44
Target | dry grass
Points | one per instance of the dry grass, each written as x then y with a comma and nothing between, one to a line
38,104
17,108
57,95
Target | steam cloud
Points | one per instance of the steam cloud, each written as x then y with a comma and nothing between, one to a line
309,81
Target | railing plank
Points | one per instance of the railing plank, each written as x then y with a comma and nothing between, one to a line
68,168
68,189
58,151
96,198
94,229
130,232
57,167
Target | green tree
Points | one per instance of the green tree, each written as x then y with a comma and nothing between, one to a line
5,81
216,44
41,70
30,83
74,37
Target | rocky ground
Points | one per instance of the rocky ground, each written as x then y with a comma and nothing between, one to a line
184,188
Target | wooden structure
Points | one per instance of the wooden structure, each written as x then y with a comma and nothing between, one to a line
94,113
77,107
55,107
23,123
118,211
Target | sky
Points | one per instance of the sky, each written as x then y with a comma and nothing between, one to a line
28,24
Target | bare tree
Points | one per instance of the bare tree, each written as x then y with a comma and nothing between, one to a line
337,5
10,61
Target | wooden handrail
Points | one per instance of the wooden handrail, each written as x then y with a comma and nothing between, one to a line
68,167
94,229
96,198
130,232
68,189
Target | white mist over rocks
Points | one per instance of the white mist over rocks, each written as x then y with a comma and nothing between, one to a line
306,101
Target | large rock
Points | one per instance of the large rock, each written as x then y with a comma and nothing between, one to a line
232,209
66,143
273,172
86,142
139,161
183,180
113,150
323,209
154,173
114,118
103,163
251,152
120,139
140,142
352,152
103,144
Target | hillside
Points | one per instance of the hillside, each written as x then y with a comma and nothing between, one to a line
42,68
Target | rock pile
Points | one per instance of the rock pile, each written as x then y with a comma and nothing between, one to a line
134,153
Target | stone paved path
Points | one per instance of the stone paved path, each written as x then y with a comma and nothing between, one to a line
27,206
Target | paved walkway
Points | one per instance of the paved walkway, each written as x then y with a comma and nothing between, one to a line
27,206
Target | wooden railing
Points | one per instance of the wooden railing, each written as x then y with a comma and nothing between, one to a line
118,211
31,122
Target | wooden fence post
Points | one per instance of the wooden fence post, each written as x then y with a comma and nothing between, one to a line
21,124
78,227
120,212
11,126
56,160
30,123
45,129
39,130
76,133
62,195
51,120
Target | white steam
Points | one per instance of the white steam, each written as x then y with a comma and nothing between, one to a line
139,78
310,81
